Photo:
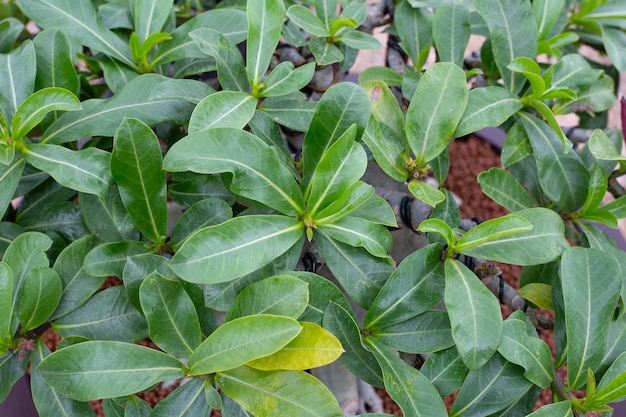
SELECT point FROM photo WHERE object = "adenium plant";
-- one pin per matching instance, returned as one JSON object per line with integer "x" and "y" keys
{"x": 114, "y": 113}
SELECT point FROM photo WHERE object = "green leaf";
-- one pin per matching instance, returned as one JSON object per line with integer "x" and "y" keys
{"x": 356, "y": 358}
{"x": 40, "y": 294}
{"x": 307, "y": 20}
{"x": 136, "y": 163}
{"x": 185, "y": 401}
{"x": 137, "y": 269}
{"x": 424, "y": 333}
{"x": 538, "y": 293}
{"x": 86, "y": 170}
{"x": 414, "y": 287}
{"x": 451, "y": 31}
{"x": 516, "y": 146}
{"x": 446, "y": 370}
{"x": 223, "y": 109}
{"x": 284, "y": 79}
{"x": 341, "y": 106}
{"x": 313, "y": 347}
{"x": 231, "y": 23}
{"x": 136, "y": 407}
{"x": 500, "y": 185}
{"x": 529, "y": 69}
{"x": 151, "y": 98}
{"x": 561, "y": 409}
{"x": 246, "y": 157}
{"x": 597, "y": 97}
{"x": 235, "y": 248}
{"x": 46, "y": 399}
{"x": 265, "y": 22}
{"x": 341, "y": 165}
{"x": 550, "y": 118}
{"x": 19, "y": 67}
{"x": 602, "y": 147}
{"x": 196, "y": 188}
{"x": 33, "y": 110}
{"x": 546, "y": 15}
{"x": 409, "y": 388}
{"x": 150, "y": 16}
{"x": 487, "y": 107}
{"x": 376, "y": 74}
{"x": 434, "y": 225}
{"x": 545, "y": 242}
{"x": 432, "y": 118}
{"x": 10, "y": 176}
{"x": 377, "y": 210}
{"x": 597, "y": 189}
{"x": 360, "y": 273}
{"x": 490, "y": 230}
{"x": 414, "y": 25}
{"x": 613, "y": 40}
{"x": 563, "y": 176}
{"x": 474, "y": 314}
{"x": 12, "y": 370}
{"x": 208, "y": 212}
{"x": 108, "y": 219}
{"x": 41, "y": 198}
{"x": 282, "y": 295}
{"x": 294, "y": 113}
{"x": 612, "y": 387}
{"x": 490, "y": 388}
{"x": 108, "y": 315}
{"x": 278, "y": 393}
{"x": 359, "y": 40}
{"x": 353, "y": 198}
{"x": 6, "y": 301}
{"x": 81, "y": 23}
{"x": 590, "y": 293}
{"x": 172, "y": 318}
{"x": 426, "y": 193}
{"x": 356, "y": 232}
{"x": 109, "y": 259}
{"x": 513, "y": 34}
{"x": 92, "y": 370}
{"x": 532, "y": 353}
{"x": 242, "y": 340}
{"x": 11, "y": 29}
{"x": 325, "y": 53}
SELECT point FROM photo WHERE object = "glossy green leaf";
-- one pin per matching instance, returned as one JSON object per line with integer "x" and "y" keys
{"x": 361, "y": 274}
{"x": 151, "y": 98}
{"x": 150, "y": 16}
{"x": 613, "y": 40}
{"x": 538, "y": 293}
{"x": 19, "y": 67}
{"x": 487, "y": 107}
{"x": 451, "y": 31}
{"x": 108, "y": 315}
{"x": 546, "y": 15}
{"x": 424, "y": 333}
{"x": 223, "y": 109}
{"x": 278, "y": 393}
{"x": 376, "y": 210}
{"x": 86, "y": 170}
{"x": 528, "y": 351}
{"x": 81, "y": 23}
{"x": 64, "y": 219}
{"x": 612, "y": 387}
{"x": 414, "y": 25}
{"x": 490, "y": 230}
{"x": 199, "y": 187}
{"x": 354, "y": 197}
{"x": 561, "y": 409}
{"x": 490, "y": 388}
{"x": 47, "y": 401}
{"x": 294, "y": 113}
{"x": 321, "y": 293}
{"x": 543, "y": 243}
{"x": 597, "y": 189}
{"x": 409, "y": 388}
{"x": 513, "y": 34}
{"x": 242, "y": 340}
{"x": 434, "y": 225}
{"x": 250, "y": 160}
{"x": 474, "y": 314}
{"x": 516, "y": 146}
{"x": 282, "y": 295}
{"x": 11, "y": 29}
{"x": 590, "y": 293}
{"x": 137, "y": 269}
{"x": 40, "y": 294}
{"x": 415, "y": 286}
{"x": 136, "y": 407}
{"x": 602, "y": 148}
{"x": 113, "y": 407}
{"x": 265, "y": 21}
{"x": 136, "y": 163}
{"x": 285, "y": 79}
{"x": 446, "y": 370}
{"x": 44, "y": 196}
{"x": 313, "y": 347}
{"x": 109, "y": 259}
{"x": 353, "y": 231}
{"x": 172, "y": 318}
{"x": 208, "y": 212}
{"x": 432, "y": 119}
{"x": 6, "y": 301}
{"x": 356, "y": 358}
{"x": 325, "y": 53}
{"x": 307, "y": 20}
{"x": 92, "y": 370}
{"x": 231, "y": 23}
{"x": 597, "y": 97}
{"x": 185, "y": 401}
{"x": 252, "y": 242}
{"x": 359, "y": 40}
{"x": 10, "y": 176}
{"x": 12, "y": 370}
{"x": 500, "y": 185}
{"x": 108, "y": 219}
{"x": 529, "y": 69}
{"x": 341, "y": 106}
{"x": 426, "y": 193}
